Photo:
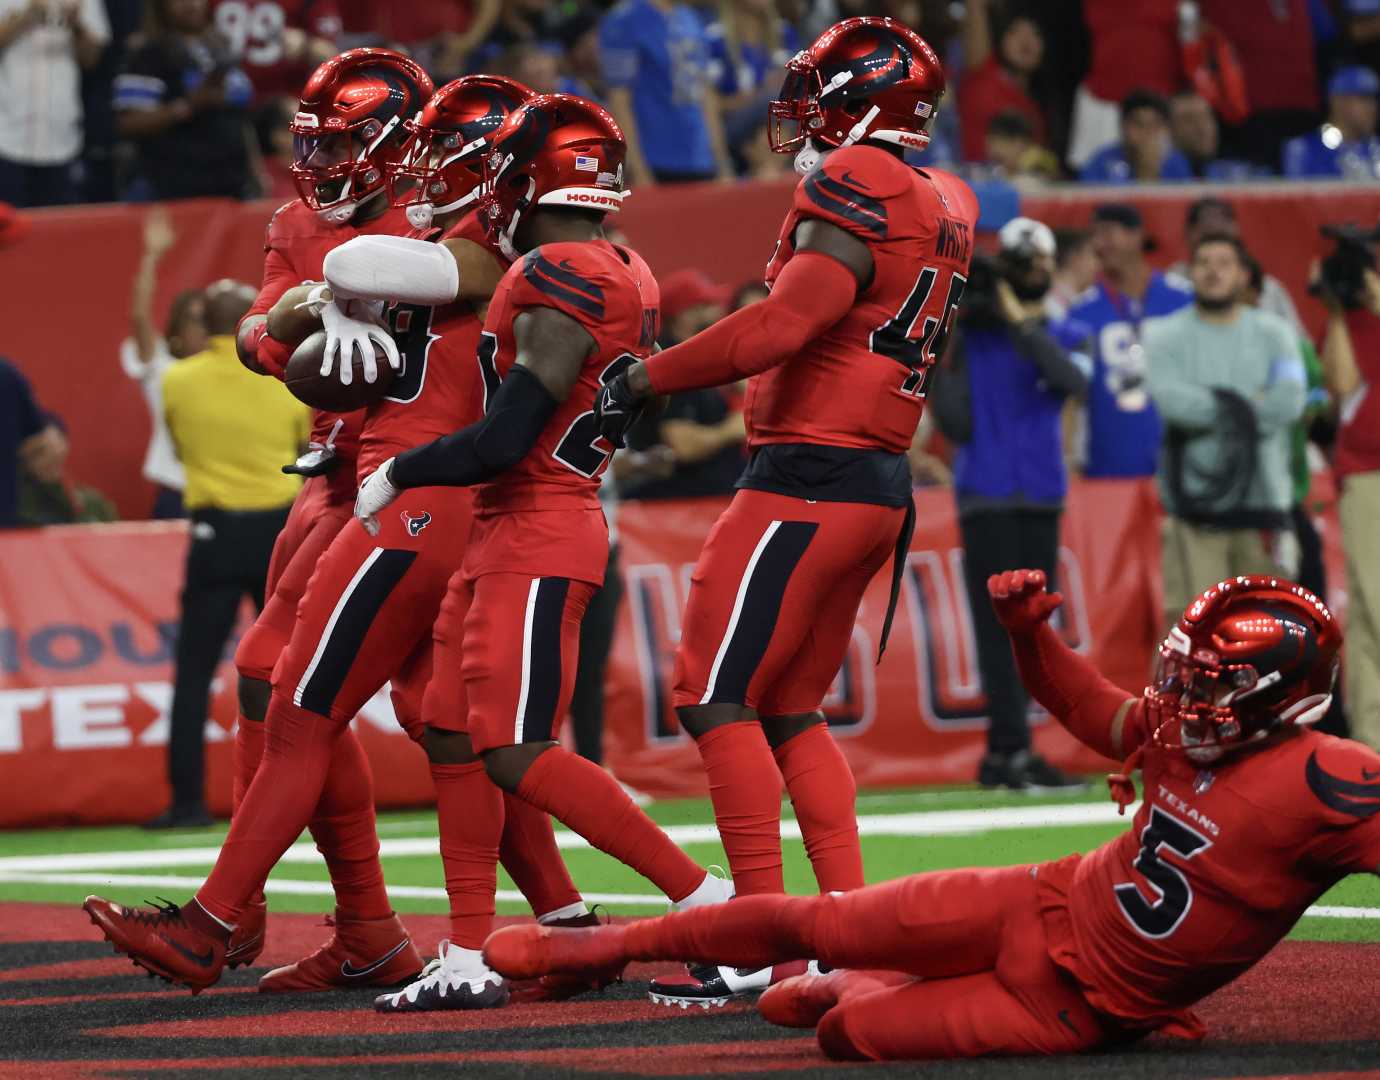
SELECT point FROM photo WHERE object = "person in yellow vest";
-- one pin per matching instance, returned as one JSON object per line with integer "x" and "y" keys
{"x": 232, "y": 431}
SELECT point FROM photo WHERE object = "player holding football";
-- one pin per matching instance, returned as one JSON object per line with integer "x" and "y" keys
{"x": 367, "y": 613}
{"x": 572, "y": 312}
{"x": 1249, "y": 817}
{"x": 865, "y": 282}
{"x": 348, "y": 127}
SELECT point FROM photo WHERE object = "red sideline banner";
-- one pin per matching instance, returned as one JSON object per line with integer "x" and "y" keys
{"x": 88, "y": 621}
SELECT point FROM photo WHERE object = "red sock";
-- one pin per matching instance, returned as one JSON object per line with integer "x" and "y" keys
{"x": 276, "y": 808}
{"x": 249, "y": 750}
{"x": 745, "y": 787}
{"x": 822, "y": 791}
{"x": 528, "y": 852}
{"x": 587, "y": 799}
{"x": 750, "y": 932}
{"x": 344, "y": 830}
{"x": 469, "y": 809}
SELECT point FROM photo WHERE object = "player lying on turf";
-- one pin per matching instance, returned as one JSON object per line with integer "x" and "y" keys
{"x": 1248, "y": 818}
{"x": 865, "y": 281}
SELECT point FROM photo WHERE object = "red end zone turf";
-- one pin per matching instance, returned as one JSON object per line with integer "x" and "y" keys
{"x": 1309, "y": 1009}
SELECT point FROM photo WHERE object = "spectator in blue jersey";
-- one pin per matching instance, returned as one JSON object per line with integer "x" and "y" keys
{"x": 750, "y": 44}
{"x": 999, "y": 399}
{"x": 657, "y": 68}
{"x": 1346, "y": 147}
{"x": 1197, "y": 136}
{"x": 1145, "y": 152}
{"x": 1122, "y": 428}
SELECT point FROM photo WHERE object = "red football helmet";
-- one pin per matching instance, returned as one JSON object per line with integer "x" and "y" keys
{"x": 349, "y": 127}
{"x": 442, "y": 166}
{"x": 556, "y": 150}
{"x": 1250, "y": 656}
{"x": 863, "y": 78}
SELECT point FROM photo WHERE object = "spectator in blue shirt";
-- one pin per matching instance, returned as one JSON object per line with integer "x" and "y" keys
{"x": 1345, "y": 147}
{"x": 1145, "y": 152}
{"x": 657, "y": 67}
{"x": 27, "y": 437}
{"x": 1122, "y": 427}
{"x": 749, "y": 45}
{"x": 1197, "y": 136}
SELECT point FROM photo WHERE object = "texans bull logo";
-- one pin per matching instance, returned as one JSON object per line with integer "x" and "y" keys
{"x": 415, "y": 522}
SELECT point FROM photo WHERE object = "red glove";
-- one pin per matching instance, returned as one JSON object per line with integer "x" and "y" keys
{"x": 1020, "y": 599}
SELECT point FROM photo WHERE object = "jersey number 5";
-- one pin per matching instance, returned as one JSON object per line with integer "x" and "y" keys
{"x": 1174, "y": 895}
{"x": 897, "y": 338}
{"x": 583, "y": 449}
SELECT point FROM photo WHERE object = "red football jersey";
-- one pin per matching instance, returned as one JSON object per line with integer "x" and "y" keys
{"x": 862, "y": 384}
{"x": 296, "y": 246}
{"x": 440, "y": 388}
{"x": 255, "y": 30}
{"x": 609, "y": 291}
{"x": 1218, "y": 866}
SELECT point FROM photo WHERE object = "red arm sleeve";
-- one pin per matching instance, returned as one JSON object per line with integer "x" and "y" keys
{"x": 812, "y": 292}
{"x": 1094, "y": 710}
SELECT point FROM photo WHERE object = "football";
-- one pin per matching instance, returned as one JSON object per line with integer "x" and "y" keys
{"x": 326, "y": 392}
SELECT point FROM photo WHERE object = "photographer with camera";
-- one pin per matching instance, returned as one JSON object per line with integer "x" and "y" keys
{"x": 1229, "y": 383}
{"x": 1348, "y": 283}
{"x": 999, "y": 400}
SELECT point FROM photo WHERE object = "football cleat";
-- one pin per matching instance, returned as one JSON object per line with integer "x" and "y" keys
{"x": 181, "y": 944}
{"x": 361, "y": 952}
{"x": 802, "y": 1000}
{"x": 247, "y": 939}
{"x": 456, "y": 979}
{"x": 532, "y": 950}
{"x": 715, "y": 985}
{"x": 562, "y": 985}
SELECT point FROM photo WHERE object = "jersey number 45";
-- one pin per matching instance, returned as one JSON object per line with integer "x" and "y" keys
{"x": 916, "y": 335}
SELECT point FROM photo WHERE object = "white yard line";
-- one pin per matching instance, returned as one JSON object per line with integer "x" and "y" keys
{"x": 919, "y": 823}
{"x": 424, "y": 892}
{"x": 275, "y": 887}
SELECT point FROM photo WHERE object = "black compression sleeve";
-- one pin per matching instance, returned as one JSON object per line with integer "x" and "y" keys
{"x": 519, "y": 411}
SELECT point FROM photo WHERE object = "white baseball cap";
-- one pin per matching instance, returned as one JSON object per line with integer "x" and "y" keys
{"x": 1027, "y": 233}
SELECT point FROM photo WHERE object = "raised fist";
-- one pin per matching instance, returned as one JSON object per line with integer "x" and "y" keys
{"x": 1020, "y": 599}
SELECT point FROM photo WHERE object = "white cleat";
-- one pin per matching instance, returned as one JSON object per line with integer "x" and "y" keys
{"x": 456, "y": 979}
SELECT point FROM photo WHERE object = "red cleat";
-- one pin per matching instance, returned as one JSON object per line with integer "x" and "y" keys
{"x": 181, "y": 944}
{"x": 527, "y": 952}
{"x": 247, "y": 940}
{"x": 561, "y": 987}
{"x": 362, "y": 952}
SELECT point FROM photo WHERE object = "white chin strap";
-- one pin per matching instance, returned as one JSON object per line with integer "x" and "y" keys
{"x": 338, "y": 213}
{"x": 808, "y": 159}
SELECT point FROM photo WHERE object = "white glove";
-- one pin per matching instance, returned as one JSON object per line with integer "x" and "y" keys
{"x": 349, "y": 326}
{"x": 375, "y": 493}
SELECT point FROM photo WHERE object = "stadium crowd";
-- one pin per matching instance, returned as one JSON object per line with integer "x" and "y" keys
{"x": 163, "y": 99}
{"x": 100, "y": 95}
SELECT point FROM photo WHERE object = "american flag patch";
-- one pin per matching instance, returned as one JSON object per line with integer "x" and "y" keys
{"x": 922, "y": 108}
{"x": 586, "y": 164}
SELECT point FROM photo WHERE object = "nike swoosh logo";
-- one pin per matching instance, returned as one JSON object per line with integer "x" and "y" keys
{"x": 848, "y": 178}
{"x": 1369, "y": 774}
{"x": 1064, "y": 1019}
{"x": 205, "y": 959}
{"x": 351, "y": 972}
{"x": 243, "y": 947}
{"x": 566, "y": 264}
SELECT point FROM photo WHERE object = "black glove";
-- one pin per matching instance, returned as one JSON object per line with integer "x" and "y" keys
{"x": 616, "y": 410}
{"x": 317, "y": 461}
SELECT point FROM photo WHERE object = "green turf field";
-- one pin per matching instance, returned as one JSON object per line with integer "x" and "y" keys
{"x": 903, "y": 832}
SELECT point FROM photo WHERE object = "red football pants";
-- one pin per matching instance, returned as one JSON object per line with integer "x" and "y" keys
{"x": 974, "y": 940}
{"x": 774, "y": 597}
{"x": 319, "y": 512}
